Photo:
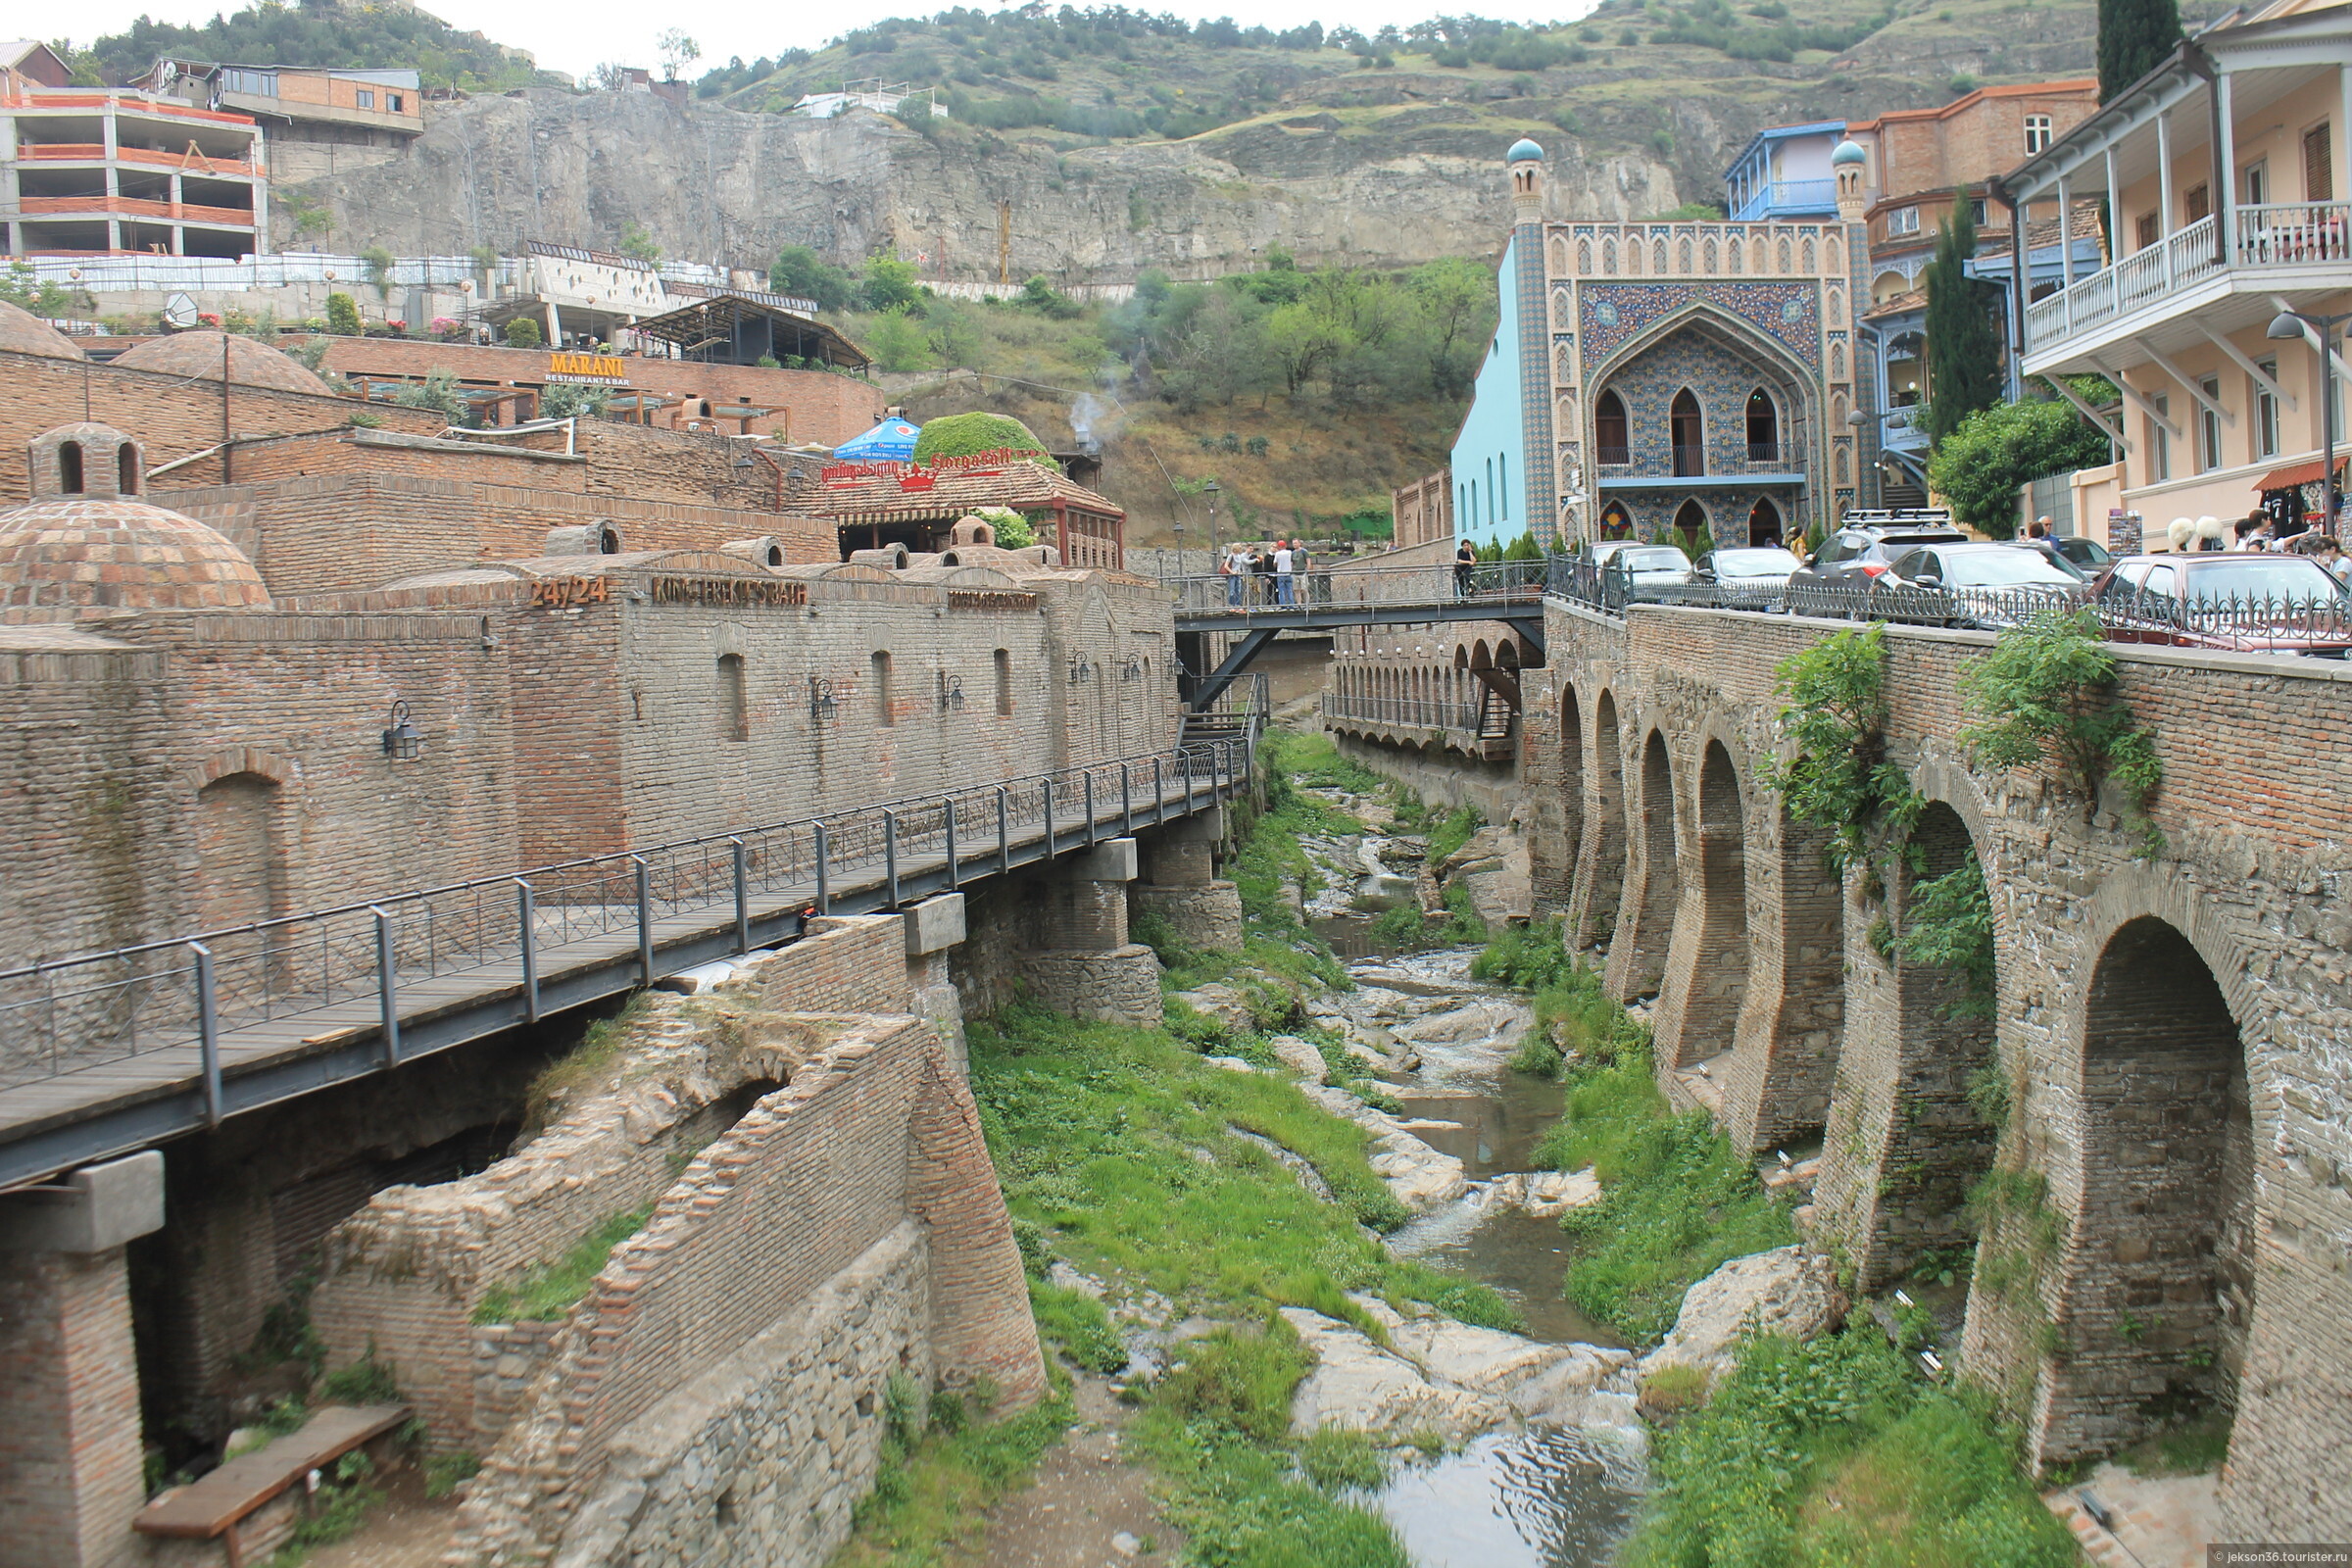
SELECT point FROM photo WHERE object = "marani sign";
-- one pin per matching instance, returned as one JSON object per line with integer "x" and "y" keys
{"x": 594, "y": 370}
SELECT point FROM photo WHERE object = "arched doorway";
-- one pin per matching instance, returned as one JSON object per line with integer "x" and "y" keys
{"x": 240, "y": 864}
{"x": 1651, "y": 904}
{"x": 1688, "y": 432}
{"x": 1615, "y": 522}
{"x": 1612, "y": 435}
{"x": 1763, "y": 427}
{"x": 1690, "y": 528}
{"x": 1763, "y": 524}
{"x": 2161, "y": 1292}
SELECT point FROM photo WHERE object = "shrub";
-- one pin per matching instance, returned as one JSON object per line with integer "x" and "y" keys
{"x": 523, "y": 334}
{"x": 963, "y": 435}
{"x": 2046, "y": 693}
{"x": 343, "y": 316}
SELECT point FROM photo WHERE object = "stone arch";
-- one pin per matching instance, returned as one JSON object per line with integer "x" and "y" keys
{"x": 276, "y": 766}
{"x": 1600, "y": 878}
{"x": 1782, "y": 255}
{"x": 1682, "y": 255}
{"x": 240, "y": 850}
{"x": 1810, "y": 259}
{"x": 1571, "y": 785}
{"x": 2156, "y": 1304}
{"x": 1583, "y": 256}
{"x": 1791, "y": 380}
{"x": 1609, "y": 258}
{"x": 1652, "y": 887}
{"x": 1916, "y": 1045}
{"x": 1657, "y": 256}
{"x": 1707, "y": 972}
{"x": 1707, "y": 256}
{"x": 1734, "y": 254}
{"x": 1755, "y": 254}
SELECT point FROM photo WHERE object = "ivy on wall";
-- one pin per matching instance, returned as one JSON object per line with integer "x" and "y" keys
{"x": 2046, "y": 695}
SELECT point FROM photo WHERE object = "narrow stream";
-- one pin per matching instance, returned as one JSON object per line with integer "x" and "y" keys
{"x": 1544, "y": 1498}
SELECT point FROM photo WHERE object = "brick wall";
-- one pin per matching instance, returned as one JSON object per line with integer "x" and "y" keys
{"x": 2247, "y": 883}
{"x": 71, "y": 1465}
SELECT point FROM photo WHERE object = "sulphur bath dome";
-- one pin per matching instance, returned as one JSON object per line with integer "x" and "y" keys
{"x": 201, "y": 355}
{"x": 88, "y": 541}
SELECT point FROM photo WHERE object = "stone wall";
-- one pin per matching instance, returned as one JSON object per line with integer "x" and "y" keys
{"x": 2171, "y": 1259}
{"x": 69, "y": 1411}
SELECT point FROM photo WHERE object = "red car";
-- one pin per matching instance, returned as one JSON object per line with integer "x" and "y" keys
{"x": 2241, "y": 600}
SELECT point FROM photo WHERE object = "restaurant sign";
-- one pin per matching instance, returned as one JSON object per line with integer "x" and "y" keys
{"x": 587, "y": 370}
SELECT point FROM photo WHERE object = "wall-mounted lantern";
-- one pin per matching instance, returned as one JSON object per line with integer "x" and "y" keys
{"x": 1132, "y": 670}
{"x": 402, "y": 741}
{"x": 950, "y": 693}
{"x": 822, "y": 703}
{"x": 1078, "y": 670}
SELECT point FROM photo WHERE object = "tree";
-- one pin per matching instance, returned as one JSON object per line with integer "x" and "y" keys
{"x": 638, "y": 245}
{"x": 802, "y": 273}
{"x": 2135, "y": 37}
{"x": 522, "y": 332}
{"x": 343, "y": 316}
{"x": 890, "y": 285}
{"x": 898, "y": 342}
{"x": 1979, "y": 466}
{"x": 438, "y": 391}
{"x": 679, "y": 51}
{"x": 25, "y": 287}
{"x": 1964, "y": 348}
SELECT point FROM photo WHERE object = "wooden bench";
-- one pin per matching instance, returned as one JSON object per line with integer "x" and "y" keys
{"x": 222, "y": 1505}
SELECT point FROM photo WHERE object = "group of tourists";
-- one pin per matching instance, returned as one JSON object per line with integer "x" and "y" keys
{"x": 1263, "y": 573}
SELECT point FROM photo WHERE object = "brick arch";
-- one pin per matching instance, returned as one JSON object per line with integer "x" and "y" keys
{"x": 1706, "y": 972}
{"x": 1646, "y": 916}
{"x": 1600, "y": 858}
{"x": 276, "y": 766}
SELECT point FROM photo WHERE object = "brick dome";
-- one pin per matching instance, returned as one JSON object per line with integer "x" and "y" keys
{"x": 22, "y": 333}
{"x": 198, "y": 354}
{"x": 85, "y": 540}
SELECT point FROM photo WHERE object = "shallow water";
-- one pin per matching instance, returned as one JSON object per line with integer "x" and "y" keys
{"x": 1537, "y": 1500}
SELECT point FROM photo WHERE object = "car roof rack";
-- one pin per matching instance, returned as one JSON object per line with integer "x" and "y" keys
{"x": 1897, "y": 517}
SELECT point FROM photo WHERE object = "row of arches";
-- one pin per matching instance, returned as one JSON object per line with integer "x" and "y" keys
{"x": 1685, "y": 431}
{"x": 1630, "y": 253}
{"x": 2113, "y": 1264}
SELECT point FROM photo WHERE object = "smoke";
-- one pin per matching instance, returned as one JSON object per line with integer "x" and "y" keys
{"x": 1085, "y": 414}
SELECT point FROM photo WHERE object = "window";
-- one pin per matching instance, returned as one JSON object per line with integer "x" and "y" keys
{"x": 2209, "y": 426}
{"x": 1003, "y": 663}
{"x": 2319, "y": 165}
{"x": 2258, "y": 183}
{"x": 1976, "y": 210}
{"x": 1502, "y": 474}
{"x": 2196, "y": 205}
{"x": 1763, "y": 427}
{"x": 882, "y": 713}
{"x": 126, "y": 470}
{"x": 1903, "y": 220}
{"x": 734, "y": 718}
{"x": 2145, "y": 230}
{"x": 1688, "y": 435}
{"x": 257, "y": 83}
{"x": 2266, "y": 412}
{"x": 1611, "y": 436}
{"x": 2037, "y": 135}
{"x": 2160, "y": 452}
{"x": 366, "y": 98}
{"x": 392, "y": 102}
{"x": 69, "y": 468}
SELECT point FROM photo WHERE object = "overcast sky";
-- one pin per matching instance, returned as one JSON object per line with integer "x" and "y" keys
{"x": 575, "y": 36}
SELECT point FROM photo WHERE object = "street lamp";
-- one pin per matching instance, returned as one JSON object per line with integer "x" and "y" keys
{"x": 2286, "y": 327}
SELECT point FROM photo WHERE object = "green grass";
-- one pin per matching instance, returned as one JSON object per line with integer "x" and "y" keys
{"x": 1833, "y": 1455}
{"x": 936, "y": 1484}
{"x": 1115, "y": 1143}
{"x": 1677, "y": 1201}
{"x": 1078, "y": 1326}
{"x": 551, "y": 1290}
{"x": 2194, "y": 1449}
{"x": 1451, "y": 831}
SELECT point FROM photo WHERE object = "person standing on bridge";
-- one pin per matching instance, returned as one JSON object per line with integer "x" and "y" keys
{"x": 1463, "y": 560}
{"x": 1282, "y": 572}
{"x": 1262, "y": 567}
{"x": 1228, "y": 566}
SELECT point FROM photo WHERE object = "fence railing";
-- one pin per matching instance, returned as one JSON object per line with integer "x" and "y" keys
{"x": 1403, "y": 713}
{"x": 66, "y": 1014}
{"x": 1504, "y": 581}
{"x": 2270, "y": 234}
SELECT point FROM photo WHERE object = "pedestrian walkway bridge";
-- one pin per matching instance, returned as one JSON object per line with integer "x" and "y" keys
{"x": 106, "y": 1053}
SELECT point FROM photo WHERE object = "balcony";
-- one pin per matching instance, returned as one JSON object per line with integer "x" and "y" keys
{"x": 2275, "y": 246}
{"x": 1748, "y": 464}
{"x": 1788, "y": 198}
{"x": 134, "y": 207}
{"x": 91, "y": 152}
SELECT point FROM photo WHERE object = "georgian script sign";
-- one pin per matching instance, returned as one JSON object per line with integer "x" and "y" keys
{"x": 727, "y": 591}
{"x": 989, "y": 599}
{"x": 563, "y": 593}
{"x": 922, "y": 476}
{"x": 588, "y": 369}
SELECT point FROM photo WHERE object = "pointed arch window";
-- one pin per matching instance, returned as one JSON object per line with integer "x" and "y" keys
{"x": 1763, "y": 427}
{"x": 1690, "y": 435}
{"x": 1612, "y": 435}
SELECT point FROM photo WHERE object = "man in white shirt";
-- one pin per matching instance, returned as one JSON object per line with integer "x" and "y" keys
{"x": 1282, "y": 571}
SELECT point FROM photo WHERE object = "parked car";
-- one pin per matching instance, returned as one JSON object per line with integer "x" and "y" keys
{"x": 1752, "y": 578}
{"x": 2246, "y": 602}
{"x": 1831, "y": 582}
{"x": 2085, "y": 558}
{"x": 1648, "y": 565}
{"x": 1979, "y": 586}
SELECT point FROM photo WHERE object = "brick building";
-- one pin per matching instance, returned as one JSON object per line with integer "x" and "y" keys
{"x": 100, "y": 169}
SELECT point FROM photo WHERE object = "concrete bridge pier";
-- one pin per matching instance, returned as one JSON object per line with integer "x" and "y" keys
{"x": 1180, "y": 884}
{"x": 72, "y": 1468}
{"x": 1083, "y": 963}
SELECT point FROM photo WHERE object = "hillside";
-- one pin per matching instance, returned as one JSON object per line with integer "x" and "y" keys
{"x": 321, "y": 33}
{"x": 1107, "y": 142}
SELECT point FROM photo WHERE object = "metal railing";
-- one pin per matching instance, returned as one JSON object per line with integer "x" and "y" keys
{"x": 1503, "y": 581}
{"x": 70, "y": 1013}
{"x": 1403, "y": 713}
{"x": 2267, "y": 235}
{"x": 2246, "y": 624}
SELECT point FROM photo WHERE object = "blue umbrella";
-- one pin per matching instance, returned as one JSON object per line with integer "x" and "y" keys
{"x": 891, "y": 441}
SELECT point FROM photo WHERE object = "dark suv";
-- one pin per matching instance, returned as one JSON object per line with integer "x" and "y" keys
{"x": 1863, "y": 547}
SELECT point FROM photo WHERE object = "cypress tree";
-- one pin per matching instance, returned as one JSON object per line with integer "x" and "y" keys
{"x": 1964, "y": 348}
{"x": 2134, "y": 35}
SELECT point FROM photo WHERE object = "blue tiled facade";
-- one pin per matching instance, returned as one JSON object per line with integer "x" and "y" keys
{"x": 1613, "y": 314}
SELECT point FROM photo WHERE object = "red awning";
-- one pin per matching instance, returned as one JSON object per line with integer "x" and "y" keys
{"x": 2294, "y": 475}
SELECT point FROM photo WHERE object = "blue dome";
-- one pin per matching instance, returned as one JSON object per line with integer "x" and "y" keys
{"x": 1524, "y": 151}
{"x": 1848, "y": 152}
